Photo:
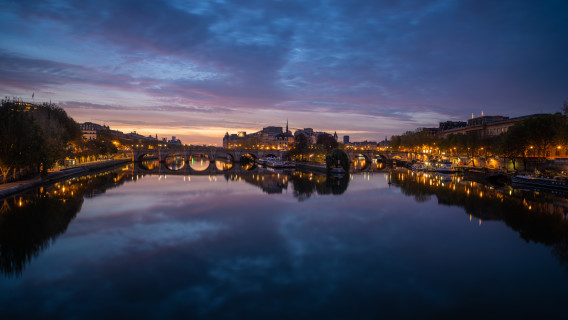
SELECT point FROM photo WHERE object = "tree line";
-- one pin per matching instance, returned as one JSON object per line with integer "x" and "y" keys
{"x": 531, "y": 137}
{"x": 34, "y": 138}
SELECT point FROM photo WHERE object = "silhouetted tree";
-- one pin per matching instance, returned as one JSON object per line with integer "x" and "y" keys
{"x": 34, "y": 136}
{"x": 337, "y": 157}
{"x": 21, "y": 141}
{"x": 327, "y": 141}
{"x": 300, "y": 146}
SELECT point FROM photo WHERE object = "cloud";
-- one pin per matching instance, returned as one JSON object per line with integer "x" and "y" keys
{"x": 381, "y": 59}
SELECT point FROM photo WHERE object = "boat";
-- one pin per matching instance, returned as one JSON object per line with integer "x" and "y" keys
{"x": 446, "y": 167}
{"x": 555, "y": 183}
{"x": 418, "y": 166}
{"x": 428, "y": 167}
{"x": 279, "y": 164}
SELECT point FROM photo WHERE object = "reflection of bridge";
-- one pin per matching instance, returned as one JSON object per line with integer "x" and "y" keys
{"x": 232, "y": 155}
{"x": 235, "y": 155}
{"x": 186, "y": 170}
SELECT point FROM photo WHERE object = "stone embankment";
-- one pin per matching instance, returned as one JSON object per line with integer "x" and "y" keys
{"x": 11, "y": 189}
{"x": 311, "y": 167}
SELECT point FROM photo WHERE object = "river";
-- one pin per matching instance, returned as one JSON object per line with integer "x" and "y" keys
{"x": 140, "y": 242}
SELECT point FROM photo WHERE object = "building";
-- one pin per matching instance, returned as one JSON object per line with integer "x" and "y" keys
{"x": 451, "y": 125}
{"x": 90, "y": 130}
{"x": 428, "y": 131}
{"x": 174, "y": 142}
{"x": 482, "y": 127}
{"x": 362, "y": 145}
{"x": 346, "y": 139}
{"x": 270, "y": 137}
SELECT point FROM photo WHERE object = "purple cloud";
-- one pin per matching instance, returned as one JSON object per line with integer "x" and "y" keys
{"x": 387, "y": 60}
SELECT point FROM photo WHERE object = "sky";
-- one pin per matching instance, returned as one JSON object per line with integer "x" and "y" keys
{"x": 364, "y": 68}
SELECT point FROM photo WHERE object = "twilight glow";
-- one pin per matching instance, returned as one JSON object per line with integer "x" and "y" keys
{"x": 368, "y": 69}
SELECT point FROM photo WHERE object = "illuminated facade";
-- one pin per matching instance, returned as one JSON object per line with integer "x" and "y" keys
{"x": 483, "y": 127}
{"x": 268, "y": 138}
{"x": 90, "y": 130}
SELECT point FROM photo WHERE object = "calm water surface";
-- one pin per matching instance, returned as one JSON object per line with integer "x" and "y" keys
{"x": 267, "y": 245}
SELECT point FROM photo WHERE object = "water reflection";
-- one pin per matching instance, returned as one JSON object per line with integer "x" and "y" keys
{"x": 174, "y": 162}
{"x": 253, "y": 243}
{"x": 29, "y": 223}
{"x": 306, "y": 184}
{"x": 199, "y": 162}
{"x": 536, "y": 216}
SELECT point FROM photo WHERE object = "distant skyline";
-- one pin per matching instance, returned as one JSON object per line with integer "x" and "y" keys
{"x": 367, "y": 69}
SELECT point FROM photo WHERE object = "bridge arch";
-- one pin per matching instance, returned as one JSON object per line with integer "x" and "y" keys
{"x": 270, "y": 155}
{"x": 149, "y": 165}
{"x": 225, "y": 155}
{"x": 248, "y": 155}
{"x": 174, "y": 161}
{"x": 199, "y": 161}
{"x": 361, "y": 160}
{"x": 140, "y": 156}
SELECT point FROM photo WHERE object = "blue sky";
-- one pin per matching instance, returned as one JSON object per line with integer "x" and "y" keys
{"x": 368, "y": 69}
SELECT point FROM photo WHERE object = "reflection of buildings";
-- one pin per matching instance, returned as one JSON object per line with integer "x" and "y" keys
{"x": 537, "y": 216}
{"x": 269, "y": 182}
{"x": 31, "y": 222}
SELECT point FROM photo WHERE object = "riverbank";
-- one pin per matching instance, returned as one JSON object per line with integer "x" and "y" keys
{"x": 311, "y": 167}
{"x": 13, "y": 188}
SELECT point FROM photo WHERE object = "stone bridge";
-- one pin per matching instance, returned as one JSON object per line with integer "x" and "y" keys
{"x": 213, "y": 154}
{"x": 235, "y": 155}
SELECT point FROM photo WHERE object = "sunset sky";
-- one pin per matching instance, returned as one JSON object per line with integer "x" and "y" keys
{"x": 368, "y": 69}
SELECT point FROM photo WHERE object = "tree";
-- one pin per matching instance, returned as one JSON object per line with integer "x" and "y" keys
{"x": 58, "y": 130}
{"x": 337, "y": 157}
{"x": 513, "y": 144}
{"x": 327, "y": 141}
{"x": 34, "y": 136}
{"x": 544, "y": 131}
{"x": 20, "y": 141}
{"x": 300, "y": 147}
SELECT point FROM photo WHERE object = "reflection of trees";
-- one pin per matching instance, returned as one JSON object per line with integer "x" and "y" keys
{"x": 305, "y": 184}
{"x": 30, "y": 222}
{"x": 537, "y": 217}
{"x": 269, "y": 182}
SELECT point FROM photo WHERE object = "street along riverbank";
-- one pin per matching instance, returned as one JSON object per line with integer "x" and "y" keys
{"x": 14, "y": 188}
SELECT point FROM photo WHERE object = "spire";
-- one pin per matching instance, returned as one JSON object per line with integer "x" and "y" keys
{"x": 286, "y": 126}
